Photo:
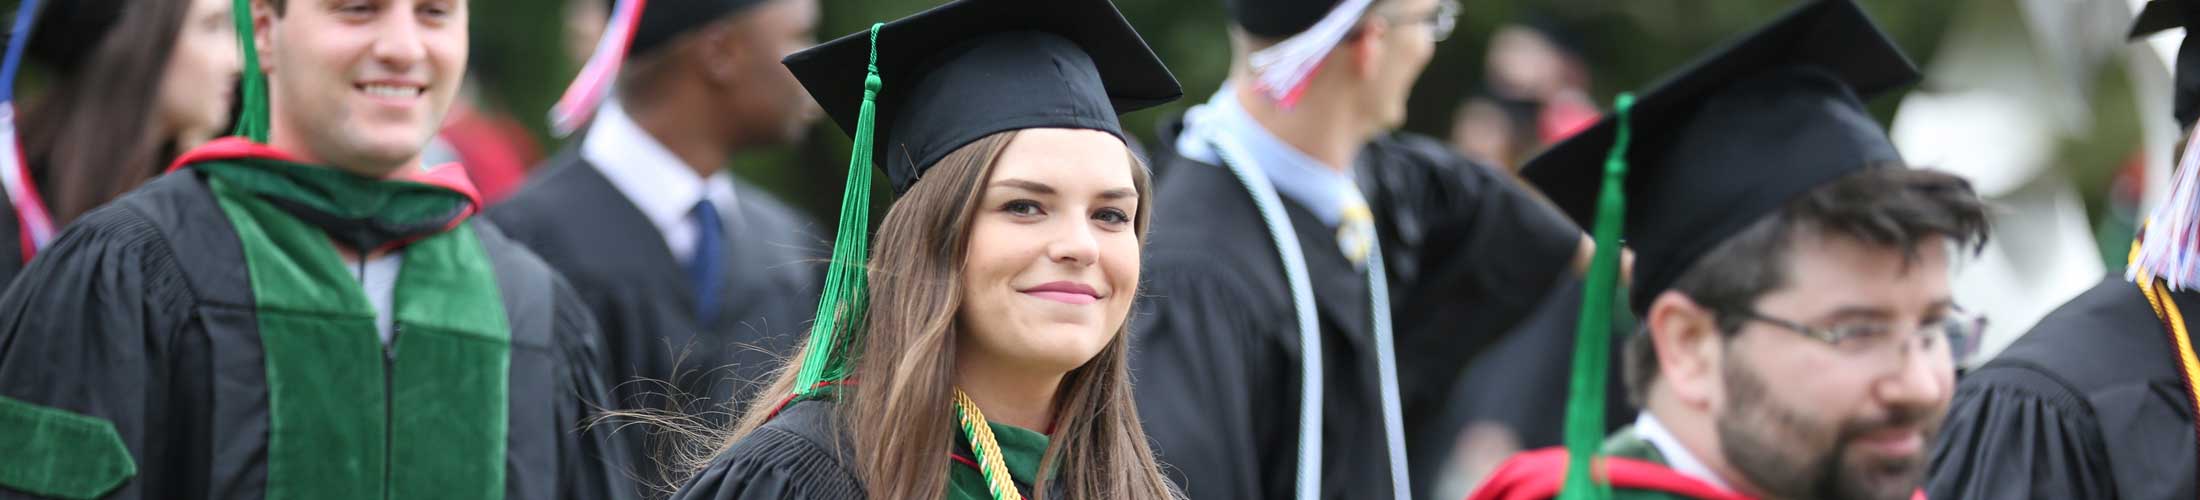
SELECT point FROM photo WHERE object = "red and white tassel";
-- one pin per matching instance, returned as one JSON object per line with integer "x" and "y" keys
{"x": 2168, "y": 249}
{"x": 15, "y": 176}
{"x": 1282, "y": 71}
{"x": 602, "y": 70}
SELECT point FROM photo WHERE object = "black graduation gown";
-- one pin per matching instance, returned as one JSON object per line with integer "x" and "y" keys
{"x": 11, "y": 242}
{"x": 141, "y": 314}
{"x": 2089, "y": 404}
{"x": 1519, "y": 382}
{"x": 1216, "y": 345}
{"x": 573, "y": 217}
{"x": 803, "y": 453}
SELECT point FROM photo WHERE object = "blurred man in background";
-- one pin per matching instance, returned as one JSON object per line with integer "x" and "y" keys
{"x": 1301, "y": 229}
{"x": 698, "y": 280}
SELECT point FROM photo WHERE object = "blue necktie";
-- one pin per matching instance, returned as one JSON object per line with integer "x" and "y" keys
{"x": 703, "y": 265}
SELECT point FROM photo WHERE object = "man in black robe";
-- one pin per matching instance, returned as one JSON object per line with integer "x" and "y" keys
{"x": 697, "y": 279}
{"x": 312, "y": 317}
{"x": 1389, "y": 228}
{"x": 2096, "y": 400}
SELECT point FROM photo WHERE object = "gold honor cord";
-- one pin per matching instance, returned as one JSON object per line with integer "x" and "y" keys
{"x": 2173, "y": 321}
{"x": 988, "y": 450}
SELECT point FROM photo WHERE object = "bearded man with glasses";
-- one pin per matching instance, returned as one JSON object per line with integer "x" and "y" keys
{"x": 1798, "y": 337}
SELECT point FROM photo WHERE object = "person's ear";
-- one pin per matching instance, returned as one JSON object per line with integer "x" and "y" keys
{"x": 1366, "y": 47}
{"x": 263, "y": 33}
{"x": 1688, "y": 342}
{"x": 720, "y": 53}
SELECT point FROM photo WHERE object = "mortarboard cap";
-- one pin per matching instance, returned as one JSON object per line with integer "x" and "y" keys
{"x": 1734, "y": 136}
{"x": 664, "y": 20}
{"x": 1278, "y": 18}
{"x": 2162, "y": 15}
{"x": 971, "y": 68}
{"x": 69, "y": 30}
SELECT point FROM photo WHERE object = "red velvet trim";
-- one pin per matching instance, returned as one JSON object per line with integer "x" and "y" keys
{"x": 1536, "y": 475}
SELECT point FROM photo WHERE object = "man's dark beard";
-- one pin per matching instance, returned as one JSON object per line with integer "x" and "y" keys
{"x": 1787, "y": 455}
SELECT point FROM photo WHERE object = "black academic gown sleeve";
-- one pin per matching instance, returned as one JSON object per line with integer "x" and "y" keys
{"x": 11, "y": 245}
{"x": 590, "y": 461}
{"x": 101, "y": 326}
{"x": 1471, "y": 252}
{"x": 2088, "y": 404}
{"x": 791, "y": 457}
{"x": 2016, "y": 433}
{"x": 1209, "y": 379}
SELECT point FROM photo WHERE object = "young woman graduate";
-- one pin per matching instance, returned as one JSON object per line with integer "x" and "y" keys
{"x": 983, "y": 354}
{"x": 126, "y": 90}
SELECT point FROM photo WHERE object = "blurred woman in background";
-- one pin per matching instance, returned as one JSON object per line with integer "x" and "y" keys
{"x": 123, "y": 88}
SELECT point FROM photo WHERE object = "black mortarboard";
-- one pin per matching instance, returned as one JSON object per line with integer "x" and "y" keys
{"x": 1278, "y": 18}
{"x": 2160, "y": 15}
{"x": 968, "y": 69}
{"x": 943, "y": 78}
{"x": 69, "y": 30}
{"x": 664, "y": 20}
{"x": 1734, "y": 136}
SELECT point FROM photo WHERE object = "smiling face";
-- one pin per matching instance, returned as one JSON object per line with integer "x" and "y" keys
{"x": 362, "y": 85}
{"x": 1052, "y": 262}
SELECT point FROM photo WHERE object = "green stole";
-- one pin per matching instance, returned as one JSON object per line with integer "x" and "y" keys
{"x": 348, "y": 418}
{"x": 1021, "y": 448}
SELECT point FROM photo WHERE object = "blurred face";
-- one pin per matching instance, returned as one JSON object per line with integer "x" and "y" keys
{"x": 1804, "y": 418}
{"x": 363, "y": 85}
{"x": 768, "y": 102}
{"x": 195, "y": 88}
{"x": 1406, "y": 44}
{"x": 1052, "y": 265}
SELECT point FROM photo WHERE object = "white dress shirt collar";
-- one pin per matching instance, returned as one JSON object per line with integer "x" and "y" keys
{"x": 657, "y": 182}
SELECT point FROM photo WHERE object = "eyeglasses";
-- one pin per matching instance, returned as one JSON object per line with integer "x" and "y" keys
{"x": 1440, "y": 23}
{"x": 1952, "y": 338}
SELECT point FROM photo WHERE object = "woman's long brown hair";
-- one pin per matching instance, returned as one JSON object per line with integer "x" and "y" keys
{"x": 89, "y": 139}
{"x": 898, "y": 412}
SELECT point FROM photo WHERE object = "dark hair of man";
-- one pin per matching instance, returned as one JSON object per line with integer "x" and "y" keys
{"x": 88, "y": 136}
{"x": 1884, "y": 205}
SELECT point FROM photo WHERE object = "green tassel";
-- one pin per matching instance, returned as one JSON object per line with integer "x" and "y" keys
{"x": 840, "y": 310}
{"x": 252, "y": 120}
{"x": 1592, "y": 344}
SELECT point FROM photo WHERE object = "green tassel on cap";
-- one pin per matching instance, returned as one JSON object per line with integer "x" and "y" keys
{"x": 252, "y": 118}
{"x": 840, "y": 310}
{"x": 1592, "y": 344}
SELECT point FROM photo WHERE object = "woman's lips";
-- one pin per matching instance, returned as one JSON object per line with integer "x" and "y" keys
{"x": 1065, "y": 292}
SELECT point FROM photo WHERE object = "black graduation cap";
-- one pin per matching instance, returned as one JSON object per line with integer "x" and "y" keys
{"x": 971, "y": 68}
{"x": 2161, "y": 15}
{"x": 69, "y": 30}
{"x": 1734, "y": 136}
{"x": 1278, "y": 18}
{"x": 664, "y": 20}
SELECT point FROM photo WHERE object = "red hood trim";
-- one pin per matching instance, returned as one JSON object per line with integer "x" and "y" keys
{"x": 1536, "y": 475}
{"x": 450, "y": 176}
